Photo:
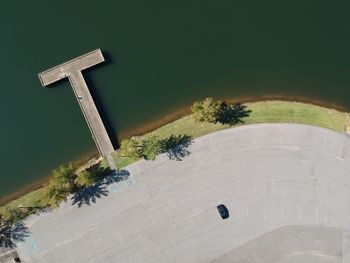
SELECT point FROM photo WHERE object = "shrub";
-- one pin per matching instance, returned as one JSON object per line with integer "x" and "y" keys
{"x": 12, "y": 215}
{"x": 64, "y": 177}
{"x": 88, "y": 177}
{"x": 60, "y": 185}
{"x": 151, "y": 147}
{"x": 130, "y": 148}
{"x": 216, "y": 111}
{"x": 206, "y": 110}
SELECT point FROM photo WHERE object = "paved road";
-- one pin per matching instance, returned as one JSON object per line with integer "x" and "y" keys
{"x": 287, "y": 187}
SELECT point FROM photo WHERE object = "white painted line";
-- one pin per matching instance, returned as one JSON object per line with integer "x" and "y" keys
{"x": 146, "y": 251}
{"x": 255, "y": 190}
{"x": 172, "y": 242}
{"x": 272, "y": 184}
{"x": 88, "y": 254}
{"x": 70, "y": 256}
{"x": 95, "y": 241}
{"x": 196, "y": 213}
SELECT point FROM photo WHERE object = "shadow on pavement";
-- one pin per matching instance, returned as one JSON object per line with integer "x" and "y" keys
{"x": 12, "y": 233}
{"x": 176, "y": 146}
{"x": 89, "y": 195}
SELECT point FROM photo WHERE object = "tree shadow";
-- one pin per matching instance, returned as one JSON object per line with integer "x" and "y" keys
{"x": 176, "y": 146}
{"x": 89, "y": 195}
{"x": 12, "y": 233}
{"x": 99, "y": 170}
{"x": 116, "y": 177}
{"x": 232, "y": 114}
{"x": 41, "y": 210}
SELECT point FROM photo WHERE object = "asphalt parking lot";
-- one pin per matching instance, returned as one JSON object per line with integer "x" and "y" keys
{"x": 286, "y": 186}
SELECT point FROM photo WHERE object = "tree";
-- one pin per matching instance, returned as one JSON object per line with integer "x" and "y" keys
{"x": 151, "y": 147}
{"x": 88, "y": 177}
{"x": 232, "y": 114}
{"x": 130, "y": 148}
{"x": 53, "y": 195}
{"x": 12, "y": 215}
{"x": 64, "y": 177}
{"x": 60, "y": 185}
{"x": 206, "y": 110}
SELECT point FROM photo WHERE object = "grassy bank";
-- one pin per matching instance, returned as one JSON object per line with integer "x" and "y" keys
{"x": 261, "y": 112}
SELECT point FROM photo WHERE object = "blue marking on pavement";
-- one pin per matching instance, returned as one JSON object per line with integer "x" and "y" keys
{"x": 30, "y": 243}
{"x": 116, "y": 187}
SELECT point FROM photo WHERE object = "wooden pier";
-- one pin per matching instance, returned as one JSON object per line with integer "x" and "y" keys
{"x": 73, "y": 71}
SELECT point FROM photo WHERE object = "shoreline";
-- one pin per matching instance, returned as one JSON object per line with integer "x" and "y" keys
{"x": 184, "y": 110}
{"x": 37, "y": 184}
{"x": 162, "y": 121}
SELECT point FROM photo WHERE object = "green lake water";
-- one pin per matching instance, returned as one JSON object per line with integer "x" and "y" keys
{"x": 162, "y": 55}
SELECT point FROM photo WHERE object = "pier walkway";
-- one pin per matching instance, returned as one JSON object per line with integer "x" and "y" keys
{"x": 73, "y": 70}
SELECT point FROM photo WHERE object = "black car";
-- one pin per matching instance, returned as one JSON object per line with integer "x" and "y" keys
{"x": 223, "y": 211}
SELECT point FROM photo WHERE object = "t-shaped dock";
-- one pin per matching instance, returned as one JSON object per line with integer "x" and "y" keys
{"x": 73, "y": 70}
